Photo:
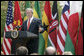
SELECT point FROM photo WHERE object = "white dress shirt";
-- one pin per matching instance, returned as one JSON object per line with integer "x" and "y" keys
{"x": 30, "y": 20}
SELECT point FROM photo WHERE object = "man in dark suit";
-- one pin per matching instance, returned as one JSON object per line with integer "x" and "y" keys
{"x": 32, "y": 25}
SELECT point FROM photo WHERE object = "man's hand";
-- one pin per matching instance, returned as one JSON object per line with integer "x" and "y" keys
{"x": 43, "y": 28}
{"x": 40, "y": 29}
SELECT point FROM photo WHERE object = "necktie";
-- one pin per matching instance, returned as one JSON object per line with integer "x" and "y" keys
{"x": 28, "y": 24}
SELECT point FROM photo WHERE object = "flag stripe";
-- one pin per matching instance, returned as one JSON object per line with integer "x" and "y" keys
{"x": 63, "y": 22}
{"x": 60, "y": 44}
{"x": 45, "y": 18}
{"x": 6, "y": 28}
{"x": 11, "y": 27}
{"x": 54, "y": 11}
{"x": 8, "y": 41}
{"x": 62, "y": 33}
{"x": 64, "y": 30}
{"x": 3, "y": 49}
{"x": 7, "y": 47}
{"x": 65, "y": 18}
{"x": 47, "y": 9}
{"x": 58, "y": 49}
{"x": 60, "y": 37}
{"x": 53, "y": 44}
{"x": 35, "y": 13}
{"x": 67, "y": 14}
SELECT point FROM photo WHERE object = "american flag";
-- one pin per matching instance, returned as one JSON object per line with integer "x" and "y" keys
{"x": 6, "y": 45}
{"x": 61, "y": 36}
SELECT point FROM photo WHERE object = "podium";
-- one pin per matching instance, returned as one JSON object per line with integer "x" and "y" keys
{"x": 19, "y": 38}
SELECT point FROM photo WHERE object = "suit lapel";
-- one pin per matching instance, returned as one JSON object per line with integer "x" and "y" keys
{"x": 26, "y": 25}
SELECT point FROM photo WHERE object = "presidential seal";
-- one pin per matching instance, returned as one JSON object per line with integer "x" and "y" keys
{"x": 14, "y": 34}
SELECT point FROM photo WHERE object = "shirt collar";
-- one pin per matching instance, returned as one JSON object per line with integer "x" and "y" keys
{"x": 31, "y": 19}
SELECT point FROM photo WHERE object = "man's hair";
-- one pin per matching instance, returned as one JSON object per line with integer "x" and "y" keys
{"x": 67, "y": 53}
{"x": 22, "y": 51}
{"x": 30, "y": 9}
{"x": 34, "y": 54}
{"x": 50, "y": 51}
{"x": 2, "y": 53}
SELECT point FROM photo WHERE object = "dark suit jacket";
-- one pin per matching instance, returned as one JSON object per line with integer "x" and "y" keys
{"x": 32, "y": 44}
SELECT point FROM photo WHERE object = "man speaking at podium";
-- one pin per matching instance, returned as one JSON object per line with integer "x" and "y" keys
{"x": 32, "y": 25}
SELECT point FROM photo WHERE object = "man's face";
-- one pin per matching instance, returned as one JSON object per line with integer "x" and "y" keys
{"x": 29, "y": 13}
